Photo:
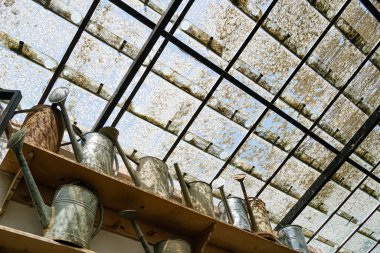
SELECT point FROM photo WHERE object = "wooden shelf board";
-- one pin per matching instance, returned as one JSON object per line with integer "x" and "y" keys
{"x": 13, "y": 240}
{"x": 52, "y": 170}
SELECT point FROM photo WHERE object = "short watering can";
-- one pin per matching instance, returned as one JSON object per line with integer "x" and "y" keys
{"x": 96, "y": 150}
{"x": 238, "y": 212}
{"x": 196, "y": 194}
{"x": 71, "y": 217}
{"x": 152, "y": 174}
{"x": 165, "y": 246}
{"x": 292, "y": 237}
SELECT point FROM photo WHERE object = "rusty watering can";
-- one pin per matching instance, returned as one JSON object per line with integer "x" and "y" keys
{"x": 71, "y": 217}
{"x": 96, "y": 150}
{"x": 45, "y": 127}
{"x": 292, "y": 237}
{"x": 196, "y": 194}
{"x": 165, "y": 246}
{"x": 152, "y": 174}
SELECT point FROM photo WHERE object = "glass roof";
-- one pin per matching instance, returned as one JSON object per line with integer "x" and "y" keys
{"x": 184, "y": 112}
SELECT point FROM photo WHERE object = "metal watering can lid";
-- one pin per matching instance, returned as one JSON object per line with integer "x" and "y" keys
{"x": 16, "y": 138}
{"x": 58, "y": 95}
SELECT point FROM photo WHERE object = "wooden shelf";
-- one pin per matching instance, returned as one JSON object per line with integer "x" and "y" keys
{"x": 12, "y": 241}
{"x": 52, "y": 170}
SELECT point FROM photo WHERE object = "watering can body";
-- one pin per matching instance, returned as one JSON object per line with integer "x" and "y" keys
{"x": 292, "y": 237}
{"x": 172, "y": 246}
{"x": 238, "y": 211}
{"x": 45, "y": 127}
{"x": 153, "y": 175}
{"x": 201, "y": 197}
{"x": 260, "y": 215}
{"x": 71, "y": 217}
{"x": 98, "y": 152}
{"x": 73, "y": 214}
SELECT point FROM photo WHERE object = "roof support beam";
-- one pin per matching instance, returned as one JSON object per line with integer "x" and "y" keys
{"x": 181, "y": 45}
{"x": 220, "y": 79}
{"x": 332, "y": 168}
{"x": 283, "y": 87}
{"x": 68, "y": 52}
{"x": 137, "y": 63}
{"x": 151, "y": 64}
{"x": 371, "y": 8}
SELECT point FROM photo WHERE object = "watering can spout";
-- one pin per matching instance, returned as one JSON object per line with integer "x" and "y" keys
{"x": 131, "y": 216}
{"x": 112, "y": 133}
{"x": 182, "y": 183}
{"x": 15, "y": 143}
{"x": 58, "y": 96}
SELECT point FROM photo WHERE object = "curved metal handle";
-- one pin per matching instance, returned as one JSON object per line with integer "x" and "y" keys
{"x": 78, "y": 131}
{"x": 100, "y": 224}
{"x": 117, "y": 167}
{"x": 171, "y": 184}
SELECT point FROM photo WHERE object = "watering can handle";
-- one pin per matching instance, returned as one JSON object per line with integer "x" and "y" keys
{"x": 116, "y": 165}
{"x": 101, "y": 213}
{"x": 171, "y": 184}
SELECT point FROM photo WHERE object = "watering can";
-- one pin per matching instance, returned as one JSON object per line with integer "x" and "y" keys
{"x": 165, "y": 246}
{"x": 71, "y": 217}
{"x": 152, "y": 174}
{"x": 196, "y": 194}
{"x": 96, "y": 150}
{"x": 292, "y": 237}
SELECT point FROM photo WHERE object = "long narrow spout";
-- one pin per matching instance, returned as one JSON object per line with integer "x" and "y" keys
{"x": 58, "y": 96}
{"x": 15, "y": 143}
{"x": 226, "y": 206}
{"x": 78, "y": 151}
{"x": 131, "y": 216}
{"x": 182, "y": 183}
{"x": 128, "y": 165}
{"x": 240, "y": 178}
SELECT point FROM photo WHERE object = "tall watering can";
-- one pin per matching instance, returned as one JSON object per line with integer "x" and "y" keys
{"x": 196, "y": 194}
{"x": 165, "y": 246}
{"x": 71, "y": 217}
{"x": 96, "y": 150}
{"x": 45, "y": 127}
{"x": 292, "y": 237}
{"x": 152, "y": 174}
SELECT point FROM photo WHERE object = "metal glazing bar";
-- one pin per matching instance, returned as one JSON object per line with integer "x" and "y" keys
{"x": 14, "y": 97}
{"x": 332, "y": 168}
{"x": 151, "y": 63}
{"x": 341, "y": 204}
{"x": 181, "y": 45}
{"x": 283, "y": 87}
{"x": 371, "y": 8}
{"x": 220, "y": 79}
{"x": 137, "y": 63}
{"x": 357, "y": 229}
{"x": 374, "y": 247}
{"x": 340, "y": 92}
{"x": 68, "y": 52}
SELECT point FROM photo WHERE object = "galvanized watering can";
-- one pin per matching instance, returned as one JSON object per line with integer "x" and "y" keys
{"x": 292, "y": 237}
{"x": 71, "y": 217}
{"x": 196, "y": 194}
{"x": 96, "y": 150}
{"x": 165, "y": 246}
{"x": 238, "y": 212}
{"x": 152, "y": 174}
